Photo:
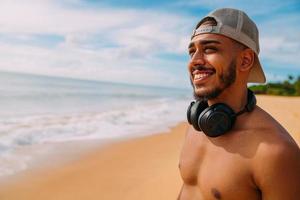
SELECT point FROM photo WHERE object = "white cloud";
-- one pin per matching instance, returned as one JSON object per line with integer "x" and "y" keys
{"x": 279, "y": 40}
{"x": 114, "y": 44}
{"x": 99, "y": 43}
{"x": 48, "y": 17}
{"x": 281, "y": 49}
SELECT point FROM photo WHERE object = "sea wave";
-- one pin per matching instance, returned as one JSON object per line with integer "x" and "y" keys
{"x": 131, "y": 120}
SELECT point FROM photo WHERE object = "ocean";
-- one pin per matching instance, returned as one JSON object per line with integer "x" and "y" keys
{"x": 40, "y": 110}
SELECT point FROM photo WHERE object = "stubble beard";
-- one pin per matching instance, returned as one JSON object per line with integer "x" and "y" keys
{"x": 226, "y": 79}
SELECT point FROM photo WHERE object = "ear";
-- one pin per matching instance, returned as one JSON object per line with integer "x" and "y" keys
{"x": 247, "y": 59}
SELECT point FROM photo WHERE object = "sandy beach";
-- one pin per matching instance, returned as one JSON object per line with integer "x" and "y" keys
{"x": 141, "y": 168}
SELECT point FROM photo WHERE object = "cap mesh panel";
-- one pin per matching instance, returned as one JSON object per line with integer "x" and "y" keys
{"x": 229, "y": 21}
{"x": 247, "y": 28}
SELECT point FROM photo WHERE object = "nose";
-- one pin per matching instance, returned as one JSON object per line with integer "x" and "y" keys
{"x": 196, "y": 59}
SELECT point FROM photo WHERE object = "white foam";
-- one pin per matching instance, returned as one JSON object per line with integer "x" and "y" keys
{"x": 133, "y": 120}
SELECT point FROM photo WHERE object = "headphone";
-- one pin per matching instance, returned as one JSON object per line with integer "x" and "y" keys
{"x": 217, "y": 119}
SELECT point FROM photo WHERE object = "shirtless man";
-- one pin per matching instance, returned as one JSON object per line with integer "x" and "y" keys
{"x": 256, "y": 159}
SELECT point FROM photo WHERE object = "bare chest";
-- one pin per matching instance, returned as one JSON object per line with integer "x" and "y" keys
{"x": 213, "y": 172}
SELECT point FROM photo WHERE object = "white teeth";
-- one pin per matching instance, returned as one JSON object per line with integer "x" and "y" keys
{"x": 201, "y": 76}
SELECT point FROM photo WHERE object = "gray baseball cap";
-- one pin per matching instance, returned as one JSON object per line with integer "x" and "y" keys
{"x": 236, "y": 25}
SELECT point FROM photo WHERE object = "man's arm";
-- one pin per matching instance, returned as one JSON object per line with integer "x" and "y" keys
{"x": 277, "y": 171}
{"x": 179, "y": 196}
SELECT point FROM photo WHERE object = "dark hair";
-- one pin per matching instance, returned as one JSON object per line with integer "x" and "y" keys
{"x": 212, "y": 21}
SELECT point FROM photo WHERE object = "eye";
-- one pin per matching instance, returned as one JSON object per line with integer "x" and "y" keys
{"x": 209, "y": 50}
{"x": 191, "y": 52}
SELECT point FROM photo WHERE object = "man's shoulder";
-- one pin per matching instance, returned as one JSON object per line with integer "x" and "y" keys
{"x": 273, "y": 140}
{"x": 276, "y": 146}
{"x": 276, "y": 162}
{"x": 265, "y": 127}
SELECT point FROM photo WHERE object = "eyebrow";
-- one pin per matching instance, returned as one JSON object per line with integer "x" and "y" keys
{"x": 204, "y": 42}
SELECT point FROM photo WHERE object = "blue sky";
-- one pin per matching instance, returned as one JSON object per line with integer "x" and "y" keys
{"x": 133, "y": 41}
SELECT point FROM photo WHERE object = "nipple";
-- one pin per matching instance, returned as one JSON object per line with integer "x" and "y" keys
{"x": 216, "y": 193}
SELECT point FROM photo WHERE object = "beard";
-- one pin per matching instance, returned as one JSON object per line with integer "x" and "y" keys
{"x": 226, "y": 79}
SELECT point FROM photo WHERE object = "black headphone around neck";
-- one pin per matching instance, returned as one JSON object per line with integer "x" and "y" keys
{"x": 217, "y": 119}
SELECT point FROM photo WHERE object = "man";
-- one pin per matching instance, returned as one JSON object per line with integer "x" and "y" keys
{"x": 255, "y": 158}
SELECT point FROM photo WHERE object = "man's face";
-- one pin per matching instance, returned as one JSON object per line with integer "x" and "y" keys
{"x": 212, "y": 66}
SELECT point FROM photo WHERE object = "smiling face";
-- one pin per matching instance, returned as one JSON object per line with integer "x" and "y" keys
{"x": 212, "y": 64}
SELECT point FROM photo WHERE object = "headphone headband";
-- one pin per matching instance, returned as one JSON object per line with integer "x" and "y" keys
{"x": 251, "y": 102}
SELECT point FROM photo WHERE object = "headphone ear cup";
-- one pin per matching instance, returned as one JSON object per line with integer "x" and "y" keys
{"x": 188, "y": 112}
{"x": 216, "y": 120}
{"x": 194, "y": 111}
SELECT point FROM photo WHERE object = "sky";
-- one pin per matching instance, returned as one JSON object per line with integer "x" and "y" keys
{"x": 133, "y": 41}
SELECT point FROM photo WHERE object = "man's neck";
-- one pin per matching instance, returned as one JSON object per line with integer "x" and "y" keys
{"x": 236, "y": 98}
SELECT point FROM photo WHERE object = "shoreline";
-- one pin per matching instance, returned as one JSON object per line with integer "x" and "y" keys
{"x": 54, "y": 154}
{"x": 143, "y": 167}
{"x": 57, "y": 154}
{"x": 133, "y": 160}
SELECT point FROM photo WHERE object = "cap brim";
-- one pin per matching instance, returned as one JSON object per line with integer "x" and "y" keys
{"x": 257, "y": 74}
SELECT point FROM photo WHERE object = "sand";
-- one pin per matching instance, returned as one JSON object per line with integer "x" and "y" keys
{"x": 142, "y": 168}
